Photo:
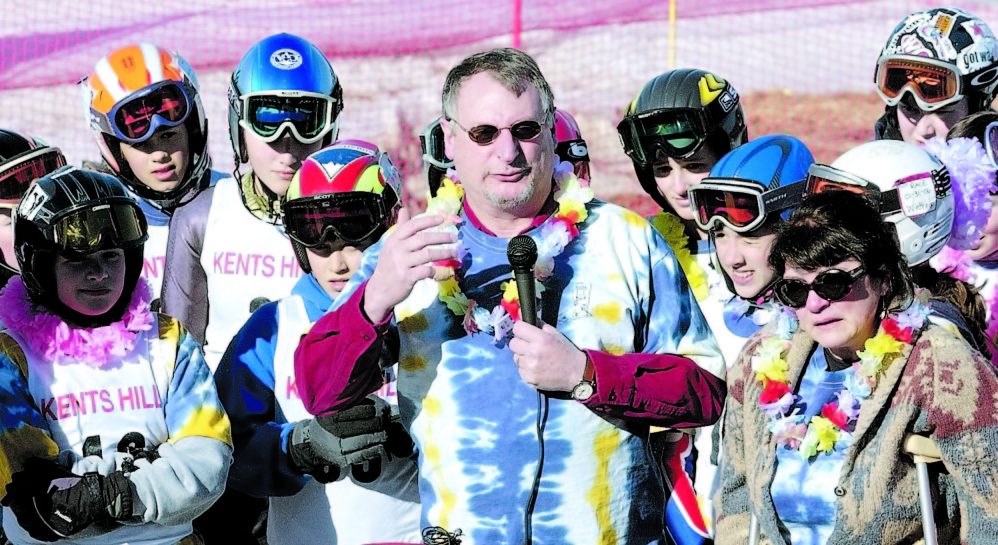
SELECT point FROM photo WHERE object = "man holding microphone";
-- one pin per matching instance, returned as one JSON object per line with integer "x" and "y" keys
{"x": 523, "y": 432}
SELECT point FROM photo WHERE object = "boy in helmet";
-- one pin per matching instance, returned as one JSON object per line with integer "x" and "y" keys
{"x": 937, "y": 67}
{"x": 22, "y": 160}
{"x": 228, "y": 250}
{"x": 340, "y": 202}
{"x": 118, "y": 441}
{"x": 143, "y": 105}
{"x": 677, "y": 128}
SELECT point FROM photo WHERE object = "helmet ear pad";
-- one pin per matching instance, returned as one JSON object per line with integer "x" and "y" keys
{"x": 302, "y": 256}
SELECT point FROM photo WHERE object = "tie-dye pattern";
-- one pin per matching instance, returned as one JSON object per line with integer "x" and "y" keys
{"x": 162, "y": 389}
{"x": 489, "y": 442}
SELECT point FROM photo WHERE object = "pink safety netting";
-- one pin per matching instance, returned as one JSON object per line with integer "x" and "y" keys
{"x": 392, "y": 57}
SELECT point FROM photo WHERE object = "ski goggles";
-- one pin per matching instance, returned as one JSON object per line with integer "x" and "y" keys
{"x": 309, "y": 116}
{"x": 741, "y": 205}
{"x": 914, "y": 195}
{"x": 18, "y": 173}
{"x": 933, "y": 84}
{"x": 431, "y": 141}
{"x": 831, "y": 285}
{"x": 110, "y": 225}
{"x": 351, "y": 217}
{"x": 678, "y": 133}
{"x": 483, "y": 135}
{"x": 162, "y": 104}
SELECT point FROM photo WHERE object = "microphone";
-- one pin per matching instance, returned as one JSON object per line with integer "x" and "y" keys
{"x": 522, "y": 255}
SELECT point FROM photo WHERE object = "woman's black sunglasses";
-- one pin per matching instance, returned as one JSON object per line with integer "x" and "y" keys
{"x": 830, "y": 285}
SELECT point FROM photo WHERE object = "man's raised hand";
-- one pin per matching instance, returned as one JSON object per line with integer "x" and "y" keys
{"x": 407, "y": 257}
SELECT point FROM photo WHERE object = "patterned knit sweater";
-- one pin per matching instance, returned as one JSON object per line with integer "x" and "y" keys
{"x": 939, "y": 387}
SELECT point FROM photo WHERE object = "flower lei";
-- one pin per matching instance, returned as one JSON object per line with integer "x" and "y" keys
{"x": 56, "y": 341}
{"x": 552, "y": 237}
{"x": 671, "y": 228}
{"x": 837, "y": 419}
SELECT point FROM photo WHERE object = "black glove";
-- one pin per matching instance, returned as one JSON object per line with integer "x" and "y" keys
{"x": 354, "y": 437}
{"x": 51, "y": 502}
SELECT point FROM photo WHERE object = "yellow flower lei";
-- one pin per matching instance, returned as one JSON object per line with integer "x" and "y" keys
{"x": 671, "y": 229}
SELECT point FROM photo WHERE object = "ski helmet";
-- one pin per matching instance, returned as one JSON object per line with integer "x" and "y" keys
{"x": 349, "y": 191}
{"x": 677, "y": 113}
{"x": 751, "y": 185}
{"x": 570, "y": 146}
{"x": 283, "y": 83}
{"x": 73, "y": 212}
{"x": 909, "y": 185}
{"x": 939, "y": 56}
{"x": 23, "y": 159}
{"x": 132, "y": 92}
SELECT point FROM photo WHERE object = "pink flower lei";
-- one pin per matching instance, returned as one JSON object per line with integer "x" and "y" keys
{"x": 56, "y": 341}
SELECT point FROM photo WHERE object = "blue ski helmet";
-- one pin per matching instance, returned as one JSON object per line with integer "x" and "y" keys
{"x": 283, "y": 83}
{"x": 751, "y": 185}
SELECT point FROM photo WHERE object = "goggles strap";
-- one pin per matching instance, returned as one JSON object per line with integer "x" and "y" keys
{"x": 783, "y": 197}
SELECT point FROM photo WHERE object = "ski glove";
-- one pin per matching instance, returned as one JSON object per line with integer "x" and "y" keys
{"x": 51, "y": 503}
{"x": 326, "y": 445}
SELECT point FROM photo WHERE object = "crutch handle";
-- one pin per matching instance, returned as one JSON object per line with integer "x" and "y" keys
{"x": 922, "y": 449}
{"x": 925, "y": 452}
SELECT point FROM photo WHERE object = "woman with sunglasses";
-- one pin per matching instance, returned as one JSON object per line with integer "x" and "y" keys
{"x": 819, "y": 405}
{"x": 112, "y": 431}
{"x": 917, "y": 193}
{"x": 143, "y": 105}
{"x": 339, "y": 203}
{"x": 937, "y": 67}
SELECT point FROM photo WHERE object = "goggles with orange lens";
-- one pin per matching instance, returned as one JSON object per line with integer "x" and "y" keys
{"x": 741, "y": 205}
{"x": 822, "y": 178}
{"x": 933, "y": 84}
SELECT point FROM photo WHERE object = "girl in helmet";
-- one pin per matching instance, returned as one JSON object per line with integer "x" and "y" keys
{"x": 22, "y": 160}
{"x": 819, "y": 408}
{"x": 228, "y": 248}
{"x": 977, "y": 261}
{"x": 143, "y": 105}
{"x": 340, "y": 202}
{"x": 937, "y": 67}
{"x": 914, "y": 191}
{"x": 741, "y": 204}
{"x": 112, "y": 429}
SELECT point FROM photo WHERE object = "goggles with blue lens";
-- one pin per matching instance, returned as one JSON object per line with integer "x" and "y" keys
{"x": 134, "y": 119}
{"x": 308, "y": 116}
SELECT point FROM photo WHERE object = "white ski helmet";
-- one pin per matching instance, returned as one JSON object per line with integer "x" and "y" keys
{"x": 911, "y": 186}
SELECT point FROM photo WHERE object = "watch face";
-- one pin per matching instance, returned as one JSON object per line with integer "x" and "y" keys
{"x": 582, "y": 391}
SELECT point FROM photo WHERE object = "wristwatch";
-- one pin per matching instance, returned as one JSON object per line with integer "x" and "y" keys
{"x": 587, "y": 386}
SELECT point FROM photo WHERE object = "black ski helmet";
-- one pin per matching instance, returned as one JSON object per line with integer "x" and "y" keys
{"x": 94, "y": 208}
{"x": 698, "y": 108}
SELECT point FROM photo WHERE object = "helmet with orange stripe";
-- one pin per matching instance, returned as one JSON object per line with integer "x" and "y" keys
{"x": 349, "y": 191}
{"x": 131, "y": 93}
